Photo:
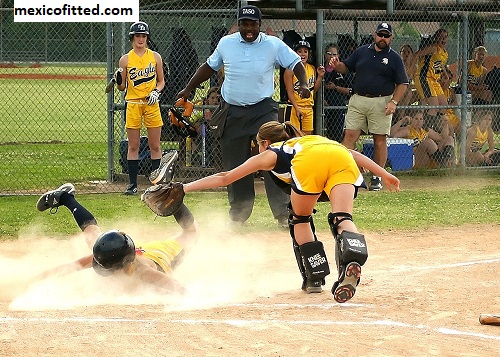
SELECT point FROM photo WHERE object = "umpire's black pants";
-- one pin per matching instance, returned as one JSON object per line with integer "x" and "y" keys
{"x": 241, "y": 126}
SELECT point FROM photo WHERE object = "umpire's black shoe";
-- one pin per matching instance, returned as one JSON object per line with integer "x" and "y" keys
{"x": 52, "y": 199}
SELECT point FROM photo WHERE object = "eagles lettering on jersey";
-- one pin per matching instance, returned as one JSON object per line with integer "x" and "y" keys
{"x": 480, "y": 139}
{"x": 139, "y": 76}
{"x": 472, "y": 79}
{"x": 310, "y": 84}
{"x": 311, "y": 78}
{"x": 437, "y": 67}
{"x": 417, "y": 136}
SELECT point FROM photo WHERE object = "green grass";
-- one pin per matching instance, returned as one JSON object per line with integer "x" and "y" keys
{"x": 34, "y": 163}
{"x": 56, "y": 131}
{"x": 414, "y": 208}
{"x": 66, "y": 110}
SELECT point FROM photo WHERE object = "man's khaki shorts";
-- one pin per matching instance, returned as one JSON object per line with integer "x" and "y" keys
{"x": 368, "y": 115}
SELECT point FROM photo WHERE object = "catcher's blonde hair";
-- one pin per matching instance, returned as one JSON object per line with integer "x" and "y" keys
{"x": 275, "y": 131}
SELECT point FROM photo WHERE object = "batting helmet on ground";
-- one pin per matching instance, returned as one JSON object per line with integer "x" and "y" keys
{"x": 112, "y": 250}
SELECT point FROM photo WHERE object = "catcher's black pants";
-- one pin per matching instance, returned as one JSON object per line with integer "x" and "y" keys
{"x": 242, "y": 124}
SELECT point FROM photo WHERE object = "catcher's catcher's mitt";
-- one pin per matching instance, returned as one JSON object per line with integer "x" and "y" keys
{"x": 164, "y": 200}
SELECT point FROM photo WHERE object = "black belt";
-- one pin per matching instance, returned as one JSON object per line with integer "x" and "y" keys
{"x": 371, "y": 95}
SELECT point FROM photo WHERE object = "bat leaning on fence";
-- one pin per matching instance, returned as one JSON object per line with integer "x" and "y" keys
{"x": 489, "y": 319}
{"x": 111, "y": 83}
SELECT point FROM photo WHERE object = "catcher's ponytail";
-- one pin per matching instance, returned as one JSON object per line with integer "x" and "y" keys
{"x": 275, "y": 131}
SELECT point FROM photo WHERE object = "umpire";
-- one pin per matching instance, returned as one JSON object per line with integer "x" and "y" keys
{"x": 379, "y": 84}
{"x": 249, "y": 58}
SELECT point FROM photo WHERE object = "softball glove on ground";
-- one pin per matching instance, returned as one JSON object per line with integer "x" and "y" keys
{"x": 164, "y": 200}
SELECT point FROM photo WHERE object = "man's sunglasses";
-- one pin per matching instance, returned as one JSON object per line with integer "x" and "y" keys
{"x": 384, "y": 35}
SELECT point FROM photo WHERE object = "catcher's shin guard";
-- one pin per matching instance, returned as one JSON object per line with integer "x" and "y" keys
{"x": 311, "y": 257}
{"x": 350, "y": 254}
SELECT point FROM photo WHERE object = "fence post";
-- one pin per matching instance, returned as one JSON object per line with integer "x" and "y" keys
{"x": 463, "y": 81}
{"x": 319, "y": 101}
{"x": 110, "y": 101}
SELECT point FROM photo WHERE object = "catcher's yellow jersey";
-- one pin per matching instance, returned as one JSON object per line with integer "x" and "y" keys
{"x": 417, "y": 135}
{"x": 313, "y": 163}
{"x": 480, "y": 138}
{"x": 475, "y": 73}
{"x": 164, "y": 253}
{"x": 311, "y": 78}
{"x": 141, "y": 75}
{"x": 432, "y": 65}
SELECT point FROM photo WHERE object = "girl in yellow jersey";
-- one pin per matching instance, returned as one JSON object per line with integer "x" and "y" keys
{"x": 476, "y": 73}
{"x": 300, "y": 110}
{"x": 425, "y": 142}
{"x": 115, "y": 253}
{"x": 431, "y": 61}
{"x": 310, "y": 167}
{"x": 451, "y": 98}
{"x": 143, "y": 79}
{"x": 478, "y": 135}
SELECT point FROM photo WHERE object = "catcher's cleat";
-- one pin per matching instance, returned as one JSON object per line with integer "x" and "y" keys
{"x": 313, "y": 286}
{"x": 344, "y": 289}
{"x": 52, "y": 199}
{"x": 130, "y": 190}
{"x": 165, "y": 172}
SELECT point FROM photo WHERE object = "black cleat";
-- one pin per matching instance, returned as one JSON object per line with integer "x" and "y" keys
{"x": 131, "y": 190}
{"x": 52, "y": 199}
{"x": 165, "y": 172}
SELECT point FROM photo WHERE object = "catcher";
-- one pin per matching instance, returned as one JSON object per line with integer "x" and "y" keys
{"x": 114, "y": 252}
{"x": 309, "y": 168}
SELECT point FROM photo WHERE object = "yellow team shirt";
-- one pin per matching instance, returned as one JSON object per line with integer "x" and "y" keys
{"x": 312, "y": 164}
{"x": 475, "y": 73}
{"x": 311, "y": 78}
{"x": 141, "y": 75}
{"x": 164, "y": 253}
{"x": 480, "y": 139}
{"x": 417, "y": 136}
{"x": 431, "y": 66}
{"x": 450, "y": 113}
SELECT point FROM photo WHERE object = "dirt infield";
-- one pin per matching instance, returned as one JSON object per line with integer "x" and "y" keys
{"x": 421, "y": 294}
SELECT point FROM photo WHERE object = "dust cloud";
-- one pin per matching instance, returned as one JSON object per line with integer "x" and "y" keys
{"x": 224, "y": 267}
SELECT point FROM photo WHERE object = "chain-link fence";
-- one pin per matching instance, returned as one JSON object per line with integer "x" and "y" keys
{"x": 60, "y": 126}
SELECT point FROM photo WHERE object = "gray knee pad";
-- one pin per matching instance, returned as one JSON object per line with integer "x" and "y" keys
{"x": 314, "y": 260}
{"x": 350, "y": 247}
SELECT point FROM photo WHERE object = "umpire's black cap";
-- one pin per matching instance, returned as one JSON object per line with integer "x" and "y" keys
{"x": 249, "y": 12}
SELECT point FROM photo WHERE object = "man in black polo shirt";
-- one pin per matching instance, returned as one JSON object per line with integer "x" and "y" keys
{"x": 379, "y": 84}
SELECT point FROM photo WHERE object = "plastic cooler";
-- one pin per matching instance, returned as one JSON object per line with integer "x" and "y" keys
{"x": 399, "y": 153}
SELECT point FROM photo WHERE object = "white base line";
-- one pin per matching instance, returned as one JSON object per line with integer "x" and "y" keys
{"x": 245, "y": 323}
{"x": 451, "y": 265}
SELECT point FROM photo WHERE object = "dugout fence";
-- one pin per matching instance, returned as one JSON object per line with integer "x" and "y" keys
{"x": 60, "y": 126}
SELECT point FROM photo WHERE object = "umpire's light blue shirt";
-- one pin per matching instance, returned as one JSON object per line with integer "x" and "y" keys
{"x": 249, "y": 66}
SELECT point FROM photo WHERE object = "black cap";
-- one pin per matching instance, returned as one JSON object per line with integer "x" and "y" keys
{"x": 249, "y": 12}
{"x": 384, "y": 26}
{"x": 301, "y": 43}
